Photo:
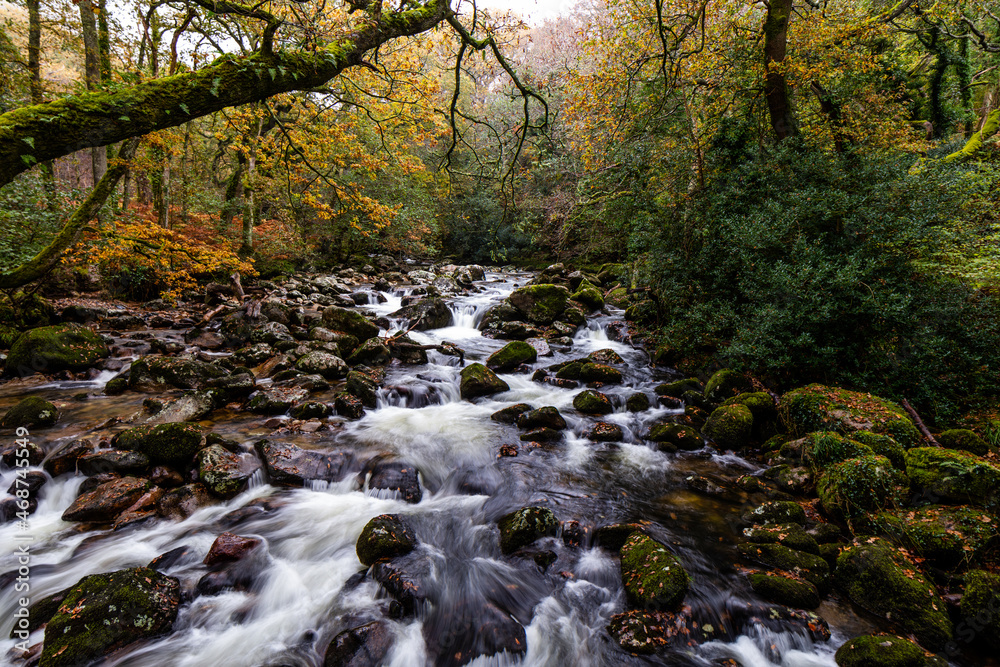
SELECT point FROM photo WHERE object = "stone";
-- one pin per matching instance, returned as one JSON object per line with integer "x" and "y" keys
{"x": 229, "y": 548}
{"x": 776, "y": 511}
{"x": 362, "y": 646}
{"x": 310, "y": 410}
{"x": 821, "y": 408}
{"x": 330, "y": 366}
{"x": 349, "y": 406}
{"x": 191, "y": 407}
{"x": 64, "y": 347}
{"x": 225, "y": 474}
{"x": 510, "y": 414}
{"x": 604, "y": 432}
{"x": 730, "y": 426}
{"x": 637, "y": 402}
{"x": 395, "y": 476}
{"x": 880, "y": 651}
{"x": 156, "y": 374}
{"x": 385, "y": 537}
{"x": 591, "y": 402}
{"x": 275, "y": 400}
{"x": 510, "y": 356}
{"x": 406, "y": 589}
{"x": 122, "y": 462}
{"x": 947, "y": 537}
{"x": 652, "y": 575}
{"x": 980, "y": 603}
{"x": 478, "y": 380}
{"x": 364, "y": 387}
{"x": 964, "y": 439}
{"x": 31, "y": 412}
{"x": 784, "y": 589}
{"x": 546, "y": 417}
{"x": 725, "y": 384}
{"x": 540, "y": 304}
{"x": 175, "y": 443}
{"x": 372, "y": 352}
{"x": 524, "y": 526}
{"x": 290, "y": 465}
{"x": 104, "y": 503}
{"x": 676, "y": 435}
{"x": 349, "y": 321}
{"x": 856, "y": 487}
{"x": 791, "y": 535}
{"x": 469, "y": 629}
{"x": 952, "y": 476}
{"x": 426, "y": 314}
{"x": 810, "y": 567}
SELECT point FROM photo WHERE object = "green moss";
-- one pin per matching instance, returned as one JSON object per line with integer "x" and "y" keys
{"x": 364, "y": 387}
{"x": 383, "y": 538}
{"x": 810, "y": 567}
{"x": 570, "y": 371}
{"x": 600, "y": 373}
{"x": 591, "y": 402}
{"x": 760, "y": 404}
{"x": 510, "y": 414}
{"x": 790, "y": 535}
{"x": 511, "y": 355}
{"x": 853, "y": 488}
{"x": 824, "y": 448}
{"x": 726, "y": 384}
{"x": 477, "y": 380}
{"x": 541, "y": 304}
{"x": 589, "y": 296}
{"x": 980, "y": 607}
{"x": 220, "y": 470}
{"x": 964, "y": 439}
{"x": 350, "y": 322}
{"x": 776, "y": 511}
{"x": 33, "y": 412}
{"x": 880, "y": 651}
{"x": 677, "y": 389}
{"x": 730, "y": 426}
{"x": 637, "y": 402}
{"x": 521, "y": 528}
{"x": 56, "y": 348}
{"x": 883, "y": 581}
{"x": 618, "y": 297}
{"x": 953, "y": 475}
{"x": 174, "y": 443}
{"x": 948, "y": 537}
{"x": 652, "y": 576}
{"x": 883, "y": 445}
{"x": 821, "y": 408}
{"x": 784, "y": 589}
{"x": 677, "y": 435}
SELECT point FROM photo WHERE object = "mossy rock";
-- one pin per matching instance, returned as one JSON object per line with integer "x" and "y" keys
{"x": 953, "y": 476}
{"x": 591, "y": 402}
{"x": 545, "y": 417}
{"x": 65, "y": 347}
{"x": 964, "y": 439}
{"x": 652, "y": 575}
{"x": 173, "y": 444}
{"x": 540, "y": 304}
{"x": 824, "y": 448}
{"x": 730, "y": 426}
{"x": 32, "y": 412}
{"x": 569, "y": 371}
{"x": 883, "y": 581}
{"x": 478, "y": 380}
{"x": 776, "y": 511}
{"x": 31, "y": 311}
{"x": 676, "y": 435}
{"x": 856, "y": 487}
{"x": 791, "y": 535}
{"x": 317, "y": 362}
{"x": 156, "y": 373}
{"x": 310, "y": 410}
{"x": 725, "y": 384}
{"x": 644, "y": 312}
{"x": 639, "y": 631}
{"x": 790, "y": 479}
{"x": 364, "y": 387}
{"x": 383, "y": 538}
{"x": 880, "y": 651}
{"x": 373, "y": 352}
{"x": 607, "y": 356}
{"x": 524, "y": 526}
{"x": 947, "y": 537}
{"x": 821, "y": 408}
{"x": 589, "y": 296}
{"x": 784, "y": 589}
{"x": 637, "y": 402}
{"x": 618, "y": 298}
{"x": 106, "y": 612}
{"x": 510, "y": 414}
{"x": 980, "y": 604}
{"x": 810, "y": 567}
{"x": 760, "y": 404}
{"x": 222, "y": 471}
{"x": 883, "y": 445}
{"x": 512, "y": 355}
{"x": 676, "y": 389}
{"x": 600, "y": 373}
{"x": 349, "y": 321}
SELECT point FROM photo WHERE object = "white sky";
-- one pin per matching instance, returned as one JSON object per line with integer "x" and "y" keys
{"x": 534, "y": 10}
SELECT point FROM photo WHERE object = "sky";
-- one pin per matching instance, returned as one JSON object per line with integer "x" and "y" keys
{"x": 535, "y": 11}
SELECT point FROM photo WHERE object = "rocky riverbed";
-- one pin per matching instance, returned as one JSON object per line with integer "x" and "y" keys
{"x": 462, "y": 466}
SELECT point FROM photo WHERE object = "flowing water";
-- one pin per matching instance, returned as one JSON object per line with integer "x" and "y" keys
{"x": 305, "y": 586}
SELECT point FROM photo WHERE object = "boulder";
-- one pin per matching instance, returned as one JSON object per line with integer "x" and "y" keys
{"x": 540, "y": 304}
{"x": 637, "y": 402}
{"x": 591, "y": 372}
{"x": 428, "y": 313}
{"x": 854, "y": 488}
{"x": 31, "y": 412}
{"x": 510, "y": 356}
{"x": 372, "y": 352}
{"x": 652, "y": 575}
{"x": 589, "y": 296}
{"x": 821, "y": 408}
{"x": 310, "y": 410}
{"x": 791, "y": 535}
{"x": 395, "y": 476}
{"x": 385, "y": 537}
{"x": 964, "y": 439}
{"x": 725, "y": 384}
{"x": 172, "y": 444}
{"x": 947, "y": 537}
{"x": 362, "y": 646}
{"x": 776, "y": 511}
{"x": 225, "y": 474}
{"x": 606, "y": 356}
{"x": 364, "y": 387}
{"x": 478, "y": 380}
{"x": 824, "y": 448}
{"x": 229, "y": 548}
{"x": 604, "y": 432}
{"x": 730, "y": 426}
{"x": 545, "y": 417}
{"x": 274, "y": 400}
{"x": 64, "y": 347}
{"x": 121, "y": 462}
{"x": 330, "y": 366}
{"x": 810, "y": 567}
{"x": 676, "y": 435}
{"x": 104, "y": 503}
{"x": 156, "y": 374}
{"x": 524, "y": 526}
{"x": 105, "y": 612}
{"x": 349, "y": 406}
{"x": 952, "y": 476}
{"x": 193, "y": 406}
{"x": 510, "y": 414}
{"x": 880, "y": 651}
{"x": 349, "y": 321}
{"x": 289, "y": 465}
{"x": 785, "y": 589}
{"x": 591, "y": 402}
{"x": 468, "y": 629}
{"x": 980, "y": 604}
{"x": 883, "y": 445}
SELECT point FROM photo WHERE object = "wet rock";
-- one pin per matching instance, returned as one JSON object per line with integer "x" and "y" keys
{"x": 613, "y": 536}
{"x": 163, "y": 443}
{"x": 349, "y": 406}
{"x": 288, "y": 465}
{"x": 396, "y": 476}
{"x": 809, "y": 566}
{"x": 791, "y": 535}
{"x": 637, "y": 402}
{"x": 105, "y": 612}
{"x": 784, "y": 589}
{"x": 253, "y": 355}
{"x": 726, "y": 384}
{"x": 16, "y": 508}
{"x": 310, "y": 410}
{"x": 106, "y": 501}
{"x": 30, "y": 482}
{"x": 229, "y": 548}
{"x": 541, "y": 346}
{"x": 521, "y": 528}
{"x": 604, "y": 432}
{"x": 330, "y": 366}
{"x": 540, "y": 304}
{"x": 271, "y": 333}
{"x": 182, "y": 502}
{"x": 541, "y": 434}
{"x": 963, "y": 439}
{"x": 677, "y": 435}
{"x": 467, "y": 630}
{"x": 547, "y": 417}
{"x": 477, "y": 380}
{"x": 881, "y": 651}
{"x": 776, "y": 511}
{"x": 851, "y": 489}
{"x": 122, "y": 462}
{"x": 593, "y": 402}
{"x": 232, "y": 387}
{"x": 730, "y": 426}
{"x": 678, "y": 388}
{"x": 589, "y": 296}
{"x": 821, "y": 408}
{"x": 952, "y": 476}
{"x": 156, "y": 374}
{"x": 194, "y": 406}
{"x": 600, "y": 373}
{"x": 652, "y": 575}
{"x": 372, "y": 352}
{"x": 517, "y": 331}
{"x": 466, "y": 275}
{"x": 948, "y": 537}
{"x": 980, "y": 603}
{"x": 886, "y": 583}
{"x": 385, "y": 537}
{"x": 510, "y": 356}
{"x": 408, "y": 351}
{"x": 12, "y": 453}
{"x": 363, "y": 646}
{"x": 789, "y": 479}
{"x": 407, "y": 590}
{"x": 64, "y": 347}
{"x": 426, "y": 314}
{"x": 349, "y": 321}
{"x": 510, "y": 414}
{"x": 31, "y": 412}
{"x": 364, "y": 387}
{"x": 276, "y": 400}
{"x": 225, "y": 474}
{"x": 143, "y": 509}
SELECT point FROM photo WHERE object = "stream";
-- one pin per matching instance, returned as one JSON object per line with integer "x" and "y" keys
{"x": 306, "y": 584}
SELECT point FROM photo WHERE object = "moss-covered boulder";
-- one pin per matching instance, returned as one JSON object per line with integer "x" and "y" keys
{"x": 824, "y": 448}
{"x": 760, "y": 403}
{"x": 947, "y": 537}
{"x": 349, "y": 321}
{"x": 821, "y": 408}
{"x": 156, "y": 373}
{"x": 725, "y": 384}
{"x": 591, "y": 402}
{"x": 541, "y": 304}
{"x": 589, "y": 296}
{"x": 225, "y": 474}
{"x": 511, "y": 355}
{"x": 32, "y": 412}
{"x": 677, "y": 388}
{"x": 980, "y": 605}
{"x": 676, "y": 435}
{"x": 637, "y": 402}
{"x": 785, "y": 589}
{"x": 652, "y": 575}
{"x": 886, "y": 583}
{"x": 64, "y": 347}
{"x": 524, "y": 526}
{"x": 964, "y": 439}
{"x": 810, "y": 567}
{"x": 880, "y": 651}
{"x": 373, "y": 352}
{"x": 730, "y": 426}
{"x": 591, "y": 372}
{"x": 317, "y": 362}
{"x": 105, "y": 612}
{"x": 791, "y": 535}
{"x": 173, "y": 444}
{"x": 856, "y": 487}
{"x": 364, "y": 387}
{"x": 776, "y": 511}
{"x": 510, "y": 414}
{"x": 606, "y": 356}
{"x": 883, "y": 445}
{"x": 544, "y": 417}
{"x": 425, "y": 314}
{"x": 953, "y": 476}
{"x": 478, "y": 380}
{"x": 385, "y": 537}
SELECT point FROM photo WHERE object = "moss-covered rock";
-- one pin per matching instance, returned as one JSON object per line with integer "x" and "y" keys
{"x": 791, "y": 535}
{"x": 364, "y": 387}
{"x": 105, "y": 612}
{"x": 510, "y": 414}
{"x": 317, "y": 362}
{"x": 886, "y": 583}
{"x": 478, "y": 380}
{"x": 544, "y": 417}
{"x": 64, "y": 347}
{"x": 385, "y": 537}
{"x": 637, "y": 402}
{"x": 785, "y": 589}
{"x": 425, "y": 314}
{"x": 810, "y": 567}
{"x": 510, "y": 356}
{"x": 32, "y": 412}
{"x": 760, "y": 403}
{"x": 824, "y": 448}
{"x": 980, "y": 606}
{"x": 676, "y": 435}
{"x": 591, "y": 402}
{"x": 730, "y": 426}
{"x": 880, "y": 651}
{"x": 947, "y": 537}
{"x": 156, "y": 373}
{"x": 173, "y": 444}
{"x": 373, "y": 352}
{"x": 349, "y": 321}
{"x": 640, "y": 631}
{"x": 602, "y": 373}
{"x": 521, "y": 528}
{"x": 964, "y": 439}
{"x": 953, "y": 476}
{"x": 676, "y": 389}
{"x": 856, "y": 487}
{"x": 725, "y": 384}
{"x": 606, "y": 356}
{"x": 541, "y": 304}
{"x": 776, "y": 511}
{"x": 883, "y": 445}
{"x": 652, "y": 575}
{"x": 821, "y": 408}
{"x": 222, "y": 472}
{"x": 589, "y": 296}
{"x": 310, "y": 410}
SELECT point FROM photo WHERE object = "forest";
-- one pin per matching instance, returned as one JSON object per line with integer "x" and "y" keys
{"x": 289, "y": 264}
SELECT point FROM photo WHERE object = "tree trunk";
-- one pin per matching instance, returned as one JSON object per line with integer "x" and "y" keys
{"x": 779, "y": 104}
{"x": 234, "y": 192}
{"x": 92, "y": 57}
{"x": 35, "y": 50}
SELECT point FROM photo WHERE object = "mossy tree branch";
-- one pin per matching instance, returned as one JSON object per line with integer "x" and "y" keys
{"x": 976, "y": 142}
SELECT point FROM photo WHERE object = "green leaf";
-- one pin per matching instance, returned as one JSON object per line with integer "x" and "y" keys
{"x": 29, "y": 140}
{"x": 184, "y": 108}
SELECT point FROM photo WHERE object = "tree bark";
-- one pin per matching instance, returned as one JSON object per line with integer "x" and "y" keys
{"x": 30, "y": 135}
{"x": 776, "y": 91}
{"x": 35, "y": 50}
{"x": 92, "y": 58}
